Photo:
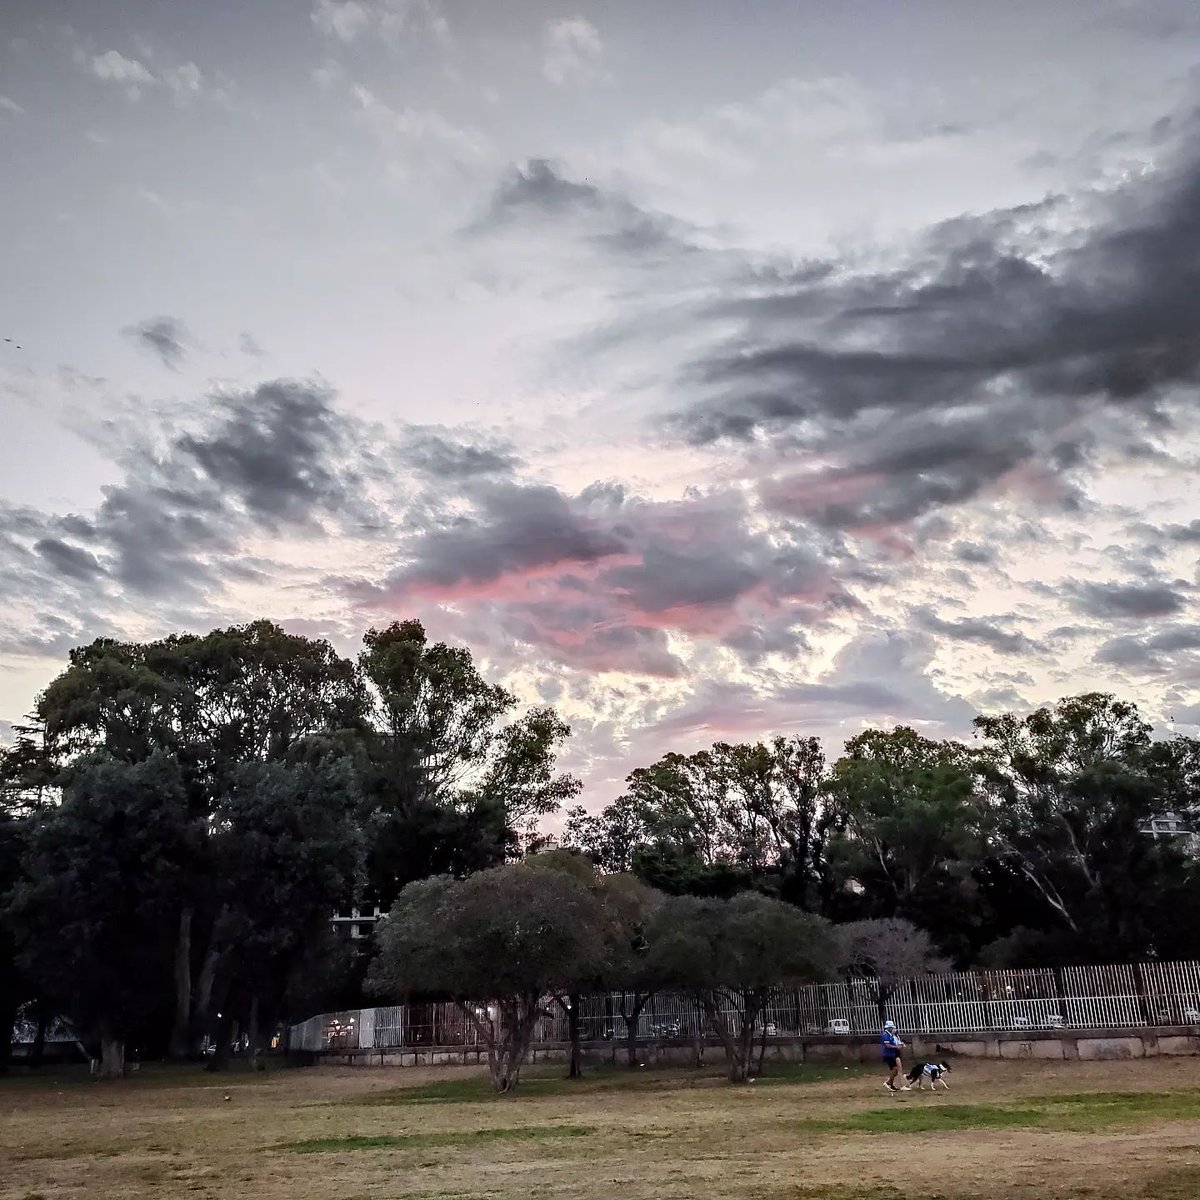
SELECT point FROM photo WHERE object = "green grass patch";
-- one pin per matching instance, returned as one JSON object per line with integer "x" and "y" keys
{"x": 1082, "y": 1113}
{"x": 477, "y": 1089}
{"x": 425, "y": 1141}
{"x": 60, "y": 1077}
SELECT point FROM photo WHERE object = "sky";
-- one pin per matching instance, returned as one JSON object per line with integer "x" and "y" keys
{"x": 714, "y": 371}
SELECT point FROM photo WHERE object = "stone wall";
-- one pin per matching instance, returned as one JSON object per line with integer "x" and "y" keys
{"x": 1109, "y": 1044}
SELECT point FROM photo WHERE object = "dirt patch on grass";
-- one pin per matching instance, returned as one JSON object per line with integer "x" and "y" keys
{"x": 1024, "y": 1129}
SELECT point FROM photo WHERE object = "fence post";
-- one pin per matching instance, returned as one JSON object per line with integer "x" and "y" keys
{"x": 1139, "y": 991}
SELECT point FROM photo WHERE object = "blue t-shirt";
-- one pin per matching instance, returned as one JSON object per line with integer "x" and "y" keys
{"x": 890, "y": 1043}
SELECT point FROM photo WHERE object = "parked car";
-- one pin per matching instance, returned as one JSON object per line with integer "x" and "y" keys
{"x": 839, "y": 1025}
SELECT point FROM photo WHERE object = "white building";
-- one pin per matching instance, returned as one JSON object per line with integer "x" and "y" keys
{"x": 356, "y": 922}
{"x": 1172, "y": 825}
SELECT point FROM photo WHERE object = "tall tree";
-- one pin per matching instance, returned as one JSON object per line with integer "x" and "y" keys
{"x": 721, "y": 820}
{"x": 214, "y": 703}
{"x": 11, "y": 845}
{"x": 288, "y": 849}
{"x": 454, "y": 781}
{"x": 915, "y": 825}
{"x": 101, "y": 878}
{"x": 1074, "y": 787}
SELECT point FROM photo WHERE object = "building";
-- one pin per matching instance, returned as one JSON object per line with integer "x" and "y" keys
{"x": 1172, "y": 825}
{"x": 356, "y": 922}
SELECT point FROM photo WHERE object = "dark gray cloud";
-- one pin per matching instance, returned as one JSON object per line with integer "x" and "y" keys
{"x": 983, "y": 631}
{"x": 277, "y": 457}
{"x": 537, "y": 192}
{"x": 68, "y": 560}
{"x": 1151, "y": 652}
{"x": 279, "y": 451}
{"x": 442, "y": 458}
{"x": 974, "y": 552}
{"x": 1187, "y": 534}
{"x": 601, "y": 578}
{"x": 1000, "y": 358}
{"x": 997, "y": 314}
{"x": 1111, "y": 601}
{"x": 165, "y": 337}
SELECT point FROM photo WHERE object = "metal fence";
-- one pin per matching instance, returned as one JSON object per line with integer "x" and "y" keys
{"x": 1082, "y": 998}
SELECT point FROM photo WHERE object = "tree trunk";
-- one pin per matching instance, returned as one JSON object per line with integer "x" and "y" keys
{"x": 112, "y": 1056}
{"x": 222, "y": 1037}
{"x": 205, "y": 983}
{"x": 181, "y": 1029}
{"x": 734, "y": 1056}
{"x": 253, "y": 1033}
{"x": 575, "y": 1070}
{"x": 8, "y": 1016}
{"x": 37, "y": 1052}
{"x": 632, "y": 1018}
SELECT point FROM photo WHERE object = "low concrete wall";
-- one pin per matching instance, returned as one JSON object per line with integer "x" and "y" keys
{"x": 1058, "y": 1044}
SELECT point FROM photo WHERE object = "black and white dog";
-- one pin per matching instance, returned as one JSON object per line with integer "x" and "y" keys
{"x": 935, "y": 1072}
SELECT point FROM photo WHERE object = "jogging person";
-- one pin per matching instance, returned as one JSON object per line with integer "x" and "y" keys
{"x": 891, "y": 1045}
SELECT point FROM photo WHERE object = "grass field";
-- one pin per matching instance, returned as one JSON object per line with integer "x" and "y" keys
{"x": 1127, "y": 1130}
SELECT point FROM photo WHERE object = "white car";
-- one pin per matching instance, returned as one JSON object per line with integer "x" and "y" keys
{"x": 838, "y": 1026}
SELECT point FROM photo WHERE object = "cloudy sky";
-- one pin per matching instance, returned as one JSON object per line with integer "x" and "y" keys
{"x": 710, "y": 375}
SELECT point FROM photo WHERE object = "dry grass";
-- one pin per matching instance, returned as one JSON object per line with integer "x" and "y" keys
{"x": 1125, "y": 1130}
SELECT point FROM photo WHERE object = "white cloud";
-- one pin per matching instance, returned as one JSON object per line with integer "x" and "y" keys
{"x": 347, "y": 20}
{"x": 574, "y": 49}
{"x": 341, "y": 19}
{"x": 10, "y": 105}
{"x": 185, "y": 81}
{"x": 327, "y": 75}
{"x": 129, "y": 73}
{"x": 417, "y": 127}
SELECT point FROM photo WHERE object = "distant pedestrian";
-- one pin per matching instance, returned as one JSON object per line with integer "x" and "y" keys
{"x": 890, "y": 1043}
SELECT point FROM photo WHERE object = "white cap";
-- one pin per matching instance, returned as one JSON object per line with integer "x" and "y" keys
{"x": 889, "y": 1024}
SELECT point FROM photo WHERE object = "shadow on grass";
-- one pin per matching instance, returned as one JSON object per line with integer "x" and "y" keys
{"x": 1083, "y": 1113}
{"x": 148, "y": 1075}
{"x": 551, "y": 1082}
{"x": 423, "y": 1141}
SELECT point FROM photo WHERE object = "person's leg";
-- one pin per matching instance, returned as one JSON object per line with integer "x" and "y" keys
{"x": 889, "y": 1061}
{"x": 896, "y": 1065}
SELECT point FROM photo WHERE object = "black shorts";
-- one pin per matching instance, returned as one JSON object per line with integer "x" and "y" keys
{"x": 890, "y": 1060}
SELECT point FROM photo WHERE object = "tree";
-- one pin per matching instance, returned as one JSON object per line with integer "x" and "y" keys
{"x": 915, "y": 825}
{"x": 452, "y": 783}
{"x": 720, "y": 821}
{"x": 1073, "y": 788}
{"x": 887, "y": 952}
{"x": 609, "y": 837}
{"x": 497, "y": 943}
{"x": 214, "y": 703}
{"x": 736, "y": 956}
{"x": 101, "y": 878}
{"x": 11, "y": 839}
{"x": 288, "y": 848}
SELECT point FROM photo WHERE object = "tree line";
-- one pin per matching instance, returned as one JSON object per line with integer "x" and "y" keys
{"x": 179, "y": 818}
